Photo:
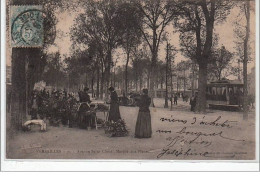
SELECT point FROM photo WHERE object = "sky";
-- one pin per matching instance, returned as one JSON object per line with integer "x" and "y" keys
{"x": 225, "y": 31}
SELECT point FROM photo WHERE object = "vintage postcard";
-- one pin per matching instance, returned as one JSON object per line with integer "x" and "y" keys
{"x": 163, "y": 80}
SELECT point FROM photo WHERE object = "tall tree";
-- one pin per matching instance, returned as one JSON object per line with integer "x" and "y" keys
{"x": 141, "y": 65}
{"x": 197, "y": 23}
{"x": 160, "y": 77}
{"x": 99, "y": 23}
{"x": 157, "y": 15}
{"x": 54, "y": 74}
{"x": 130, "y": 22}
{"x": 72, "y": 70}
{"x": 86, "y": 62}
{"x": 220, "y": 66}
{"x": 243, "y": 45}
{"x": 183, "y": 76}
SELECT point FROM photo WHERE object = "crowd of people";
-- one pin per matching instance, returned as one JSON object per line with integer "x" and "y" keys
{"x": 57, "y": 105}
{"x": 69, "y": 109}
{"x": 62, "y": 107}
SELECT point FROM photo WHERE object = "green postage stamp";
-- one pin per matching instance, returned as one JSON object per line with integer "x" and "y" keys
{"x": 26, "y": 26}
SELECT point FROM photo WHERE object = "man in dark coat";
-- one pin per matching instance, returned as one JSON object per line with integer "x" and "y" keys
{"x": 114, "y": 113}
{"x": 239, "y": 98}
{"x": 175, "y": 98}
{"x": 193, "y": 101}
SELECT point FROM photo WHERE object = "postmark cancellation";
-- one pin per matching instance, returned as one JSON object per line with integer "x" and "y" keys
{"x": 26, "y": 26}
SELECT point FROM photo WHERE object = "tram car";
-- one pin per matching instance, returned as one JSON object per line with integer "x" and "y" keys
{"x": 225, "y": 95}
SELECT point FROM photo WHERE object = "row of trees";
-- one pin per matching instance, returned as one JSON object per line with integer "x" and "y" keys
{"x": 105, "y": 26}
{"x": 185, "y": 72}
{"x": 139, "y": 28}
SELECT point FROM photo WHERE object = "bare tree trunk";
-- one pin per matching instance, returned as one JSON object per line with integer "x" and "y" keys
{"x": 107, "y": 71}
{"x": 126, "y": 72}
{"x": 166, "y": 77}
{"x": 166, "y": 88}
{"x": 152, "y": 79}
{"x": 192, "y": 83}
{"x": 136, "y": 82}
{"x": 114, "y": 83}
{"x": 201, "y": 100}
{"x": 97, "y": 93}
{"x": 162, "y": 79}
{"x": 92, "y": 83}
{"x": 184, "y": 83}
{"x": 18, "y": 105}
{"x": 153, "y": 67}
{"x": 238, "y": 74}
{"x": 245, "y": 91}
{"x": 111, "y": 77}
{"x": 148, "y": 81}
{"x": 206, "y": 52}
{"x": 34, "y": 69}
{"x": 106, "y": 82}
{"x": 141, "y": 82}
{"x": 102, "y": 85}
{"x": 177, "y": 84}
{"x": 86, "y": 82}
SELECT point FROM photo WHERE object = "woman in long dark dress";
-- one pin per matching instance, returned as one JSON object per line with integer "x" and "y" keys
{"x": 114, "y": 113}
{"x": 143, "y": 128}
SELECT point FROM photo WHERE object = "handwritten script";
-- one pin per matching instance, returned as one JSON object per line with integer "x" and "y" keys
{"x": 195, "y": 137}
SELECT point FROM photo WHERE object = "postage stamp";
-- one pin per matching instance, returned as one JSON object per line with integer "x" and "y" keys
{"x": 26, "y": 26}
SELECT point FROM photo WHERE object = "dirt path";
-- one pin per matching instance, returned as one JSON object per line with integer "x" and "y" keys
{"x": 173, "y": 133}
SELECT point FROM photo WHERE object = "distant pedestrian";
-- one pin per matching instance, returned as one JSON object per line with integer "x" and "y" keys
{"x": 175, "y": 99}
{"x": 143, "y": 128}
{"x": 240, "y": 98}
{"x": 124, "y": 100}
{"x": 193, "y": 101}
{"x": 185, "y": 97}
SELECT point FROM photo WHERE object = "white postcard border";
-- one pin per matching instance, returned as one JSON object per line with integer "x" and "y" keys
{"x": 120, "y": 165}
